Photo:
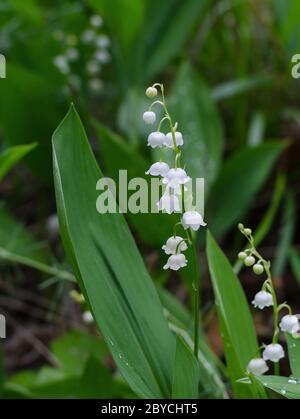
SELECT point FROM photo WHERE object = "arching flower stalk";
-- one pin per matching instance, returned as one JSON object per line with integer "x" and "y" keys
{"x": 267, "y": 298}
{"x": 175, "y": 180}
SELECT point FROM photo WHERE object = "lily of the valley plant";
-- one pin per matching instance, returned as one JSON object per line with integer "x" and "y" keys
{"x": 173, "y": 200}
{"x": 265, "y": 298}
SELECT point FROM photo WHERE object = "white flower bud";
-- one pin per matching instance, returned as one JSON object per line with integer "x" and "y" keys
{"x": 95, "y": 85}
{"x": 193, "y": 220}
{"x": 93, "y": 68}
{"x": 102, "y": 41}
{"x": 156, "y": 139}
{"x": 242, "y": 255}
{"x": 149, "y": 117}
{"x": 151, "y": 92}
{"x": 61, "y": 62}
{"x": 258, "y": 268}
{"x": 102, "y": 56}
{"x": 263, "y": 299}
{"x": 249, "y": 261}
{"x": 273, "y": 352}
{"x": 72, "y": 54}
{"x": 87, "y": 317}
{"x": 88, "y": 36}
{"x": 289, "y": 324}
{"x": 178, "y": 139}
{"x": 172, "y": 244}
{"x": 257, "y": 366}
{"x": 169, "y": 204}
{"x": 158, "y": 169}
{"x": 247, "y": 231}
{"x": 176, "y": 262}
{"x": 96, "y": 21}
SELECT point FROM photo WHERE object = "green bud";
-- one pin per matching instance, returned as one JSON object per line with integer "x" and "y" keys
{"x": 258, "y": 269}
{"x": 242, "y": 255}
{"x": 249, "y": 261}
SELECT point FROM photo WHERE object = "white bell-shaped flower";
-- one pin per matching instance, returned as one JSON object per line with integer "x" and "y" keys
{"x": 289, "y": 324}
{"x": 158, "y": 169}
{"x": 273, "y": 352}
{"x": 193, "y": 220}
{"x": 174, "y": 178}
{"x": 156, "y": 139}
{"x": 263, "y": 299}
{"x": 169, "y": 139}
{"x": 173, "y": 243}
{"x": 169, "y": 203}
{"x": 149, "y": 117}
{"x": 176, "y": 262}
{"x": 257, "y": 366}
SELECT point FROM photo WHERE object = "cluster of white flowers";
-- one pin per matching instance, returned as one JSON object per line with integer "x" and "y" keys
{"x": 266, "y": 297}
{"x": 174, "y": 179}
{"x": 96, "y": 45}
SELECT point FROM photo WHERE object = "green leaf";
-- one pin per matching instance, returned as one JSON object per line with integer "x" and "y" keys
{"x": 167, "y": 33}
{"x": 238, "y": 333}
{"x": 1, "y": 370}
{"x": 186, "y": 372}
{"x": 28, "y": 9}
{"x": 294, "y": 354}
{"x": 294, "y": 258}
{"x": 281, "y": 385}
{"x": 74, "y": 348}
{"x": 236, "y": 87}
{"x": 233, "y": 194}
{"x": 109, "y": 268}
{"x": 200, "y": 124}
{"x": 10, "y": 156}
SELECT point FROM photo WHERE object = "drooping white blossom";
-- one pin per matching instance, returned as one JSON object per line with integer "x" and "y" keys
{"x": 93, "y": 67}
{"x": 149, "y": 117}
{"x": 169, "y": 139}
{"x": 61, "y": 62}
{"x": 172, "y": 245}
{"x": 72, "y": 54}
{"x": 174, "y": 178}
{"x": 263, "y": 299}
{"x": 273, "y": 352}
{"x": 257, "y": 366}
{"x": 88, "y": 36}
{"x": 176, "y": 262}
{"x": 289, "y": 323}
{"x": 169, "y": 203}
{"x": 193, "y": 220}
{"x": 156, "y": 139}
{"x": 102, "y": 41}
{"x": 158, "y": 169}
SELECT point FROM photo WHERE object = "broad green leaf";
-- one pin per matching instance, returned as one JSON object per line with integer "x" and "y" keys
{"x": 239, "y": 86}
{"x": 28, "y": 9}
{"x": 237, "y": 329}
{"x": 167, "y": 33}
{"x": 295, "y": 263}
{"x": 281, "y": 385}
{"x": 294, "y": 354}
{"x": 200, "y": 124}
{"x": 74, "y": 348}
{"x": 186, "y": 372}
{"x": 287, "y": 232}
{"x": 10, "y": 156}
{"x": 117, "y": 155}
{"x": 1, "y": 370}
{"x": 240, "y": 179}
{"x": 34, "y": 99}
{"x": 109, "y": 268}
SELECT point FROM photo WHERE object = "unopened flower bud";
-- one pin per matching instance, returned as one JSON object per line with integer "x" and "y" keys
{"x": 242, "y": 255}
{"x": 258, "y": 269}
{"x": 248, "y": 231}
{"x": 151, "y": 92}
{"x": 249, "y": 261}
